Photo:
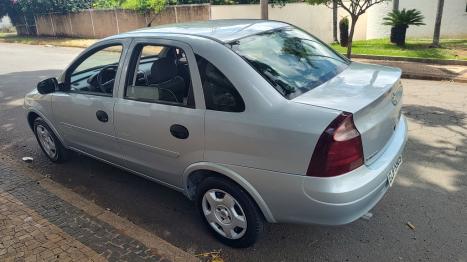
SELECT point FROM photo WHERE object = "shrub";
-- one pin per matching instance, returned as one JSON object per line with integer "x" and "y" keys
{"x": 344, "y": 31}
{"x": 140, "y": 5}
{"x": 107, "y": 3}
{"x": 144, "y": 5}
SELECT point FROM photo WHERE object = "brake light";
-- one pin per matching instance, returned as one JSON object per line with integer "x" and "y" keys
{"x": 339, "y": 149}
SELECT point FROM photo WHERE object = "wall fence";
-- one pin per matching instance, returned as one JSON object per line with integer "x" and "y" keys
{"x": 314, "y": 19}
{"x": 94, "y": 23}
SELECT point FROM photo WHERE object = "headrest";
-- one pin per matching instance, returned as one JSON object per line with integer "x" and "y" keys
{"x": 163, "y": 69}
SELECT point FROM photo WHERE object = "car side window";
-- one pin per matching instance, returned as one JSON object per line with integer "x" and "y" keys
{"x": 159, "y": 74}
{"x": 219, "y": 92}
{"x": 96, "y": 73}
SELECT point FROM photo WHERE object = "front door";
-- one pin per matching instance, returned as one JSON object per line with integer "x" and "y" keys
{"x": 158, "y": 123}
{"x": 84, "y": 107}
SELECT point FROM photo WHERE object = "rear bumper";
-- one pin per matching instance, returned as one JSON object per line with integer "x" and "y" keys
{"x": 328, "y": 201}
{"x": 346, "y": 198}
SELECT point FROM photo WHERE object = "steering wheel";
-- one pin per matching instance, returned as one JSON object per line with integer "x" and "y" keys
{"x": 106, "y": 78}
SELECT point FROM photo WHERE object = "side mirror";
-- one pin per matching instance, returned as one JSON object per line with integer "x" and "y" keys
{"x": 47, "y": 86}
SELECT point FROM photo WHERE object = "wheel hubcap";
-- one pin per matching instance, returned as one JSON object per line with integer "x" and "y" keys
{"x": 46, "y": 140}
{"x": 224, "y": 214}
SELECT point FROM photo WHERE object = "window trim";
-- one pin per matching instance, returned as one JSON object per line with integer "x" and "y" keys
{"x": 66, "y": 85}
{"x": 204, "y": 90}
{"x": 134, "y": 59}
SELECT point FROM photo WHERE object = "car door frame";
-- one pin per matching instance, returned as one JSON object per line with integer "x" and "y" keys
{"x": 126, "y": 44}
{"x": 65, "y": 79}
{"x": 198, "y": 94}
{"x": 196, "y": 86}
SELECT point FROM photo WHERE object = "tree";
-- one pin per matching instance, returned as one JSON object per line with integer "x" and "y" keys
{"x": 264, "y": 9}
{"x": 21, "y": 12}
{"x": 355, "y": 8}
{"x": 439, "y": 16}
{"x": 400, "y": 21}
{"x": 334, "y": 20}
{"x": 3, "y": 8}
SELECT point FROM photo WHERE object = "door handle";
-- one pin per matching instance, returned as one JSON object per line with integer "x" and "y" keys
{"x": 102, "y": 116}
{"x": 179, "y": 131}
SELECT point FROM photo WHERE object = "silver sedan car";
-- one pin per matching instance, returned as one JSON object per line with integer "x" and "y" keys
{"x": 252, "y": 120}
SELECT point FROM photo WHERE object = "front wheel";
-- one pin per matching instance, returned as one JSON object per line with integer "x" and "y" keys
{"x": 49, "y": 143}
{"x": 229, "y": 212}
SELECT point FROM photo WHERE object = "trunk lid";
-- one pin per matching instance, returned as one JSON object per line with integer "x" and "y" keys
{"x": 372, "y": 94}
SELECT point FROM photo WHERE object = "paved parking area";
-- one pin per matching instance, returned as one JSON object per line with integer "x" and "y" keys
{"x": 37, "y": 225}
{"x": 430, "y": 191}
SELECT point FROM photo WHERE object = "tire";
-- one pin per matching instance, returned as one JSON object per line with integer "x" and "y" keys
{"x": 233, "y": 205}
{"x": 49, "y": 143}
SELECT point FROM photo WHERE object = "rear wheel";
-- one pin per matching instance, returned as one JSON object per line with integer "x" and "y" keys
{"x": 228, "y": 212}
{"x": 49, "y": 143}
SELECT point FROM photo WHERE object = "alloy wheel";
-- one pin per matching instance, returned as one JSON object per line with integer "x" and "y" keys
{"x": 224, "y": 214}
{"x": 46, "y": 140}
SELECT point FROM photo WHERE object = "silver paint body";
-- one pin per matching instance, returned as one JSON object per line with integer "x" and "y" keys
{"x": 266, "y": 149}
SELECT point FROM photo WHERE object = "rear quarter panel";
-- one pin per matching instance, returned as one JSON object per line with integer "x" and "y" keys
{"x": 272, "y": 133}
{"x": 281, "y": 139}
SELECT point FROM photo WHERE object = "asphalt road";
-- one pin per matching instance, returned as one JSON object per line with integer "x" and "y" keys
{"x": 430, "y": 190}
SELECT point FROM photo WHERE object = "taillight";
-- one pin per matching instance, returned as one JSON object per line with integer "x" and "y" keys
{"x": 339, "y": 149}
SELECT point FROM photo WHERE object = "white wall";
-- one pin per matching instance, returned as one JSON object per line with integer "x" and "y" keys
{"x": 454, "y": 24}
{"x": 314, "y": 19}
{"x": 318, "y": 19}
{"x": 5, "y": 23}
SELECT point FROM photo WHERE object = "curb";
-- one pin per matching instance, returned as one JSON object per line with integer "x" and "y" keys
{"x": 413, "y": 59}
{"x": 159, "y": 246}
{"x": 433, "y": 78}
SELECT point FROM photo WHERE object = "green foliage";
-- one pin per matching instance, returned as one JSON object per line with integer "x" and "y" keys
{"x": 48, "y": 6}
{"x": 319, "y": 2}
{"x": 344, "y": 22}
{"x": 107, "y": 3}
{"x": 143, "y": 5}
{"x": 140, "y": 5}
{"x": 4, "y": 5}
{"x": 404, "y": 18}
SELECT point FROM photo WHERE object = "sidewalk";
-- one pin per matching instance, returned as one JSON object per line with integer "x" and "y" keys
{"x": 415, "y": 70}
{"x": 38, "y": 225}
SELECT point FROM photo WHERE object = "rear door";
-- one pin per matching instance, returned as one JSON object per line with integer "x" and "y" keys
{"x": 159, "y": 116}
{"x": 84, "y": 109}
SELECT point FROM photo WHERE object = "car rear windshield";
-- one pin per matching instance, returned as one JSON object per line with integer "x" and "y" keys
{"x": 293, "y": 61}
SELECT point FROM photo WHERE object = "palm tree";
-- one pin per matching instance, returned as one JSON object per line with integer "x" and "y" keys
{"x": 334, "y": 20}
{"x": 395, "y": 4}
{"x": 264, "y": 9}
{"x": 400, "y": 21}
{"x": 439, "y": 16}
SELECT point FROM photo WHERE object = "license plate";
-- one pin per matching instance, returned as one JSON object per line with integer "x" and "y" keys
{"x": 393, "y": 172}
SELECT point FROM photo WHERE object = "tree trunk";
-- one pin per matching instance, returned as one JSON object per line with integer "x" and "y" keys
{"x": 439, "y": 16}
{"x": 398, "y": 34}
{"x": 334, "y": 20}
{"x": 352, "y": 31}
{"x": 395, "y": 4}
{"x": 264, "y": 9}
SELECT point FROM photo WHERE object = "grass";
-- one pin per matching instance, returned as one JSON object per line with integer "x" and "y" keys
{"x": 56, "y": 41}
{"x": 420, "y": 48}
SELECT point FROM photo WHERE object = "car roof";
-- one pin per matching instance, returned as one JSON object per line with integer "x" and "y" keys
{"x": 225, "y": 30}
